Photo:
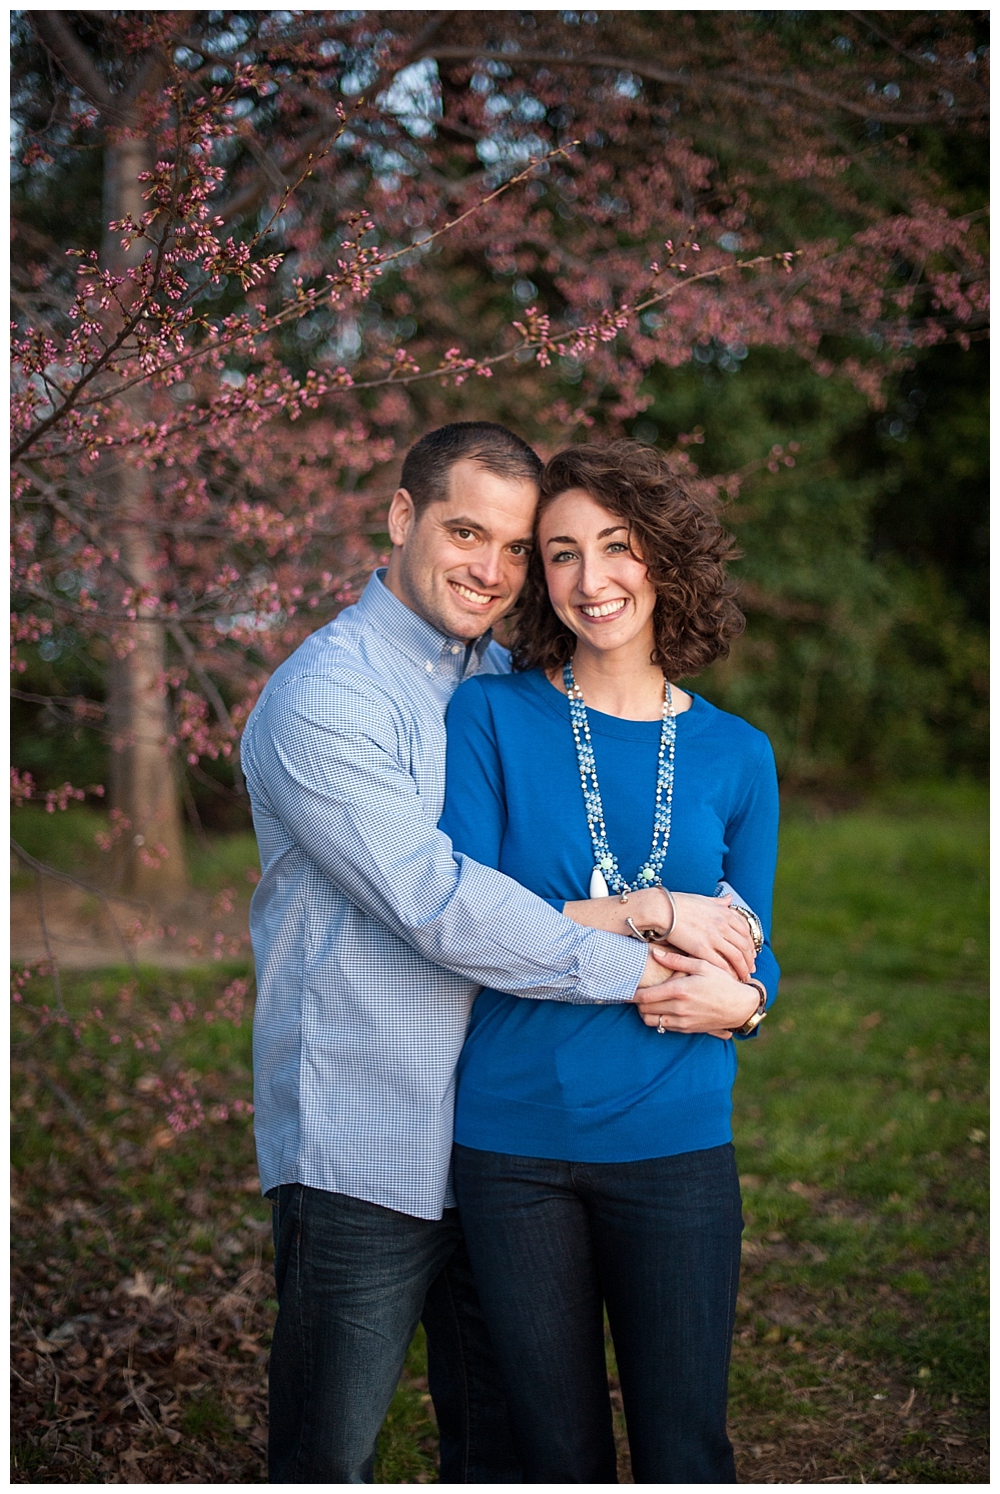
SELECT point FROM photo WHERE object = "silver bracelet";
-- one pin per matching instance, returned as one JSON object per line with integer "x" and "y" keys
{"x": 647, "y": 935}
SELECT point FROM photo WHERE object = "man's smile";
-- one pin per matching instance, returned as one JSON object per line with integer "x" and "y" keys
{"x": 477, "y": 598}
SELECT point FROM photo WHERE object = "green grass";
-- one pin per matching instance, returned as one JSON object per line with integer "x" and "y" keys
{"x": 861, "y": 1122}
{"x": 861, "y": 1126}
{"x": 896, "y": 890}
{"x": 224, "y": 860}
{"x": 65, "y": 840}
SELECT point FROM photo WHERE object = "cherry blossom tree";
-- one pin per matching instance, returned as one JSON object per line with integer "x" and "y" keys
{"x": 322, "y": 232}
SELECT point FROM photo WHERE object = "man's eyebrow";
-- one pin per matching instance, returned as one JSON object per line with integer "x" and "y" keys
{"x": 458, "y": 521}
{"x": 461, "y": 523}
{"x": 567, "y": 539}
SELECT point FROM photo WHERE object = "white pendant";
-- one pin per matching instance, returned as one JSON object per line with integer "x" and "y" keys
{"x": 598, "y": 886}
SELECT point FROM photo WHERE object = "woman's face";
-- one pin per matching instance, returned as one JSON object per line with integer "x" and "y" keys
{"x": 596, "y": 585}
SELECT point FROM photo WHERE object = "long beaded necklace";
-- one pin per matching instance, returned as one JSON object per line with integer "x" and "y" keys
{"x": 606, "y": 876}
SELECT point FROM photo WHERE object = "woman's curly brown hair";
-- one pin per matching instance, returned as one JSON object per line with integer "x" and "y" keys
{"x": 673, "y": 529}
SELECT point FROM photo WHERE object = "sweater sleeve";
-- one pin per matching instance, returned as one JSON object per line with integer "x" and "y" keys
{"x": 475, "y": 803}
{"x": 751, "y": 858}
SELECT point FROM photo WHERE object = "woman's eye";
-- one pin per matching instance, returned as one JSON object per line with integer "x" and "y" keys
{"x": 616, "y": 547}
{"x": 562, "y": 555}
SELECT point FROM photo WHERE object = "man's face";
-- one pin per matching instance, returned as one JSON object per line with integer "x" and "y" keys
{"x": 461, "y": 564}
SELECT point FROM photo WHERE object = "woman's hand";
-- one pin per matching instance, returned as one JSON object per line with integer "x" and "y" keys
{"x": 705, "y": 927}
{"x": 698, "y": 997}
{"x": 709, "y": 929}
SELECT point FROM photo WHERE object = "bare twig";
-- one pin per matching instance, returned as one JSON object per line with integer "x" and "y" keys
{"x": 186, "y": 647}
{"x": 128, "y": 1375}
{"x": 62, "y": 1096}
{"x": 53, "y": 963}
{"x": 727, "y": 81}
{"x": 41, "y": 870}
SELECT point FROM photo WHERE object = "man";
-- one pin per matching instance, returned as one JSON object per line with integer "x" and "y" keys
{"x": 371, "y": 939}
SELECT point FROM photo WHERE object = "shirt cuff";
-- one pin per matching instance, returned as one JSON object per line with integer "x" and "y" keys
{"x": 610, "y": 968}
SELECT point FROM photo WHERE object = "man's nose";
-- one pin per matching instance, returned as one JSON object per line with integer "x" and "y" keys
{"x": 487, "y": 566}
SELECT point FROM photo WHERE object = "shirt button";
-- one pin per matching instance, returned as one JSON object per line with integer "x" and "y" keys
{"x": 456, "y": 648}
{"x": 429, "y": 666}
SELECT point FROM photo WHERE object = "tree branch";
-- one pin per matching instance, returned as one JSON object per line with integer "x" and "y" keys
{"x": 727, "y": 80}
{"x": 186, "y": 647}
{"x": 250, "y": 195}
{"x": 155, "y": 64}
{"x": 41, "y": 870}
{"x": 59, "y": 40}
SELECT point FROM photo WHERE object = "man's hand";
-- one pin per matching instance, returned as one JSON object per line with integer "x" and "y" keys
{"x": 657, "y": 972}
{"x": 696, "y": 997}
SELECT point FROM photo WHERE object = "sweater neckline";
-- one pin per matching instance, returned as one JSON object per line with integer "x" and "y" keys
{"x": 609, "y": 726}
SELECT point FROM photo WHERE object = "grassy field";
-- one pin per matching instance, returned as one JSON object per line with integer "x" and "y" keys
{"x": 141, "y": 1280}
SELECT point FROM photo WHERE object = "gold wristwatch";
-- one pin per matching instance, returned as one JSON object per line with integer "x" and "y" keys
{"x": 755, "y": 1018}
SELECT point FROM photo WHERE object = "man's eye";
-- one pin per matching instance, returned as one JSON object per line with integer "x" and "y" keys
{"x": 464, "y": 534}
{"x": 520, "y": 552}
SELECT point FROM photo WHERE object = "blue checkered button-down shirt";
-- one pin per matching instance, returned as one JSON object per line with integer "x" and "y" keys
{"x": 371, "y": 938}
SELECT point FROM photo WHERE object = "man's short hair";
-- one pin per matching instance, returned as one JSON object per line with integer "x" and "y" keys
{"x": 428, "y": 462}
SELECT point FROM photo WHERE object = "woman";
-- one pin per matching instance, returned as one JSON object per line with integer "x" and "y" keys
{"x": 593, "y": 1162}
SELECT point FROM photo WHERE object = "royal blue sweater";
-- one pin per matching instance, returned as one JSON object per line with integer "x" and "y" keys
{"x": 593, "y": 1083}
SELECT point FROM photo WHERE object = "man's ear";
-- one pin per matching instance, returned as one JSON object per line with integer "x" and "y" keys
{"x": 402, "y": 516}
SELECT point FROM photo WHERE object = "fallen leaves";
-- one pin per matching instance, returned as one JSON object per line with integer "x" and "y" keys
{"x": 142, "y": 1285}
{"x": 149, "y": 1384}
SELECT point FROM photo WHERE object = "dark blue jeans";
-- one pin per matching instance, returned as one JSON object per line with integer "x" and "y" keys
{"x": 353, "y": 1281}
{"x": 658, "y": 1243}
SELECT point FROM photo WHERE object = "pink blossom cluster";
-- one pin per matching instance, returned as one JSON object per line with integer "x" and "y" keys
{"x": 180, "y": 1096}
{"x": 359, "y": 300}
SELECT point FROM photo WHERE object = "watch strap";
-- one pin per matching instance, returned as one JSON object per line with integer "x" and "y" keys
{"x": 756, "y": 1017}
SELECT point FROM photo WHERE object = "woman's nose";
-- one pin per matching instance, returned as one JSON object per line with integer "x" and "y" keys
{"x": 592, "y": 576}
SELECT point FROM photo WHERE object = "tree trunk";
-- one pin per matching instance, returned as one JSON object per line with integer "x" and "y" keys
{"x": 143, "y": 783}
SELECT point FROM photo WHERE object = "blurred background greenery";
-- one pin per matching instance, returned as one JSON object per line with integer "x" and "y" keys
{"x": 865, "y": 569}
{"x": 865, "y": 657}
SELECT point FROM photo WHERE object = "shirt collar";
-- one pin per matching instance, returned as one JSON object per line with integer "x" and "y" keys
{"x": 410, "y": 633}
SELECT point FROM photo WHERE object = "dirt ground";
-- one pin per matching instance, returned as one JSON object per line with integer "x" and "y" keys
{"x": 86, "y": 933}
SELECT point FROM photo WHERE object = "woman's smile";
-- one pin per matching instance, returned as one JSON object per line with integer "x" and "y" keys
{"x": 603, "y": 611}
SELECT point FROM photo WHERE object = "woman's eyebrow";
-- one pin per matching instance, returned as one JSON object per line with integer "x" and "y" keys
{"x": 567, "y": 539}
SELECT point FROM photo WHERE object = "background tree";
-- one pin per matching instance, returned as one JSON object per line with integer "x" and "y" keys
{"x": 324, "y": 261}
